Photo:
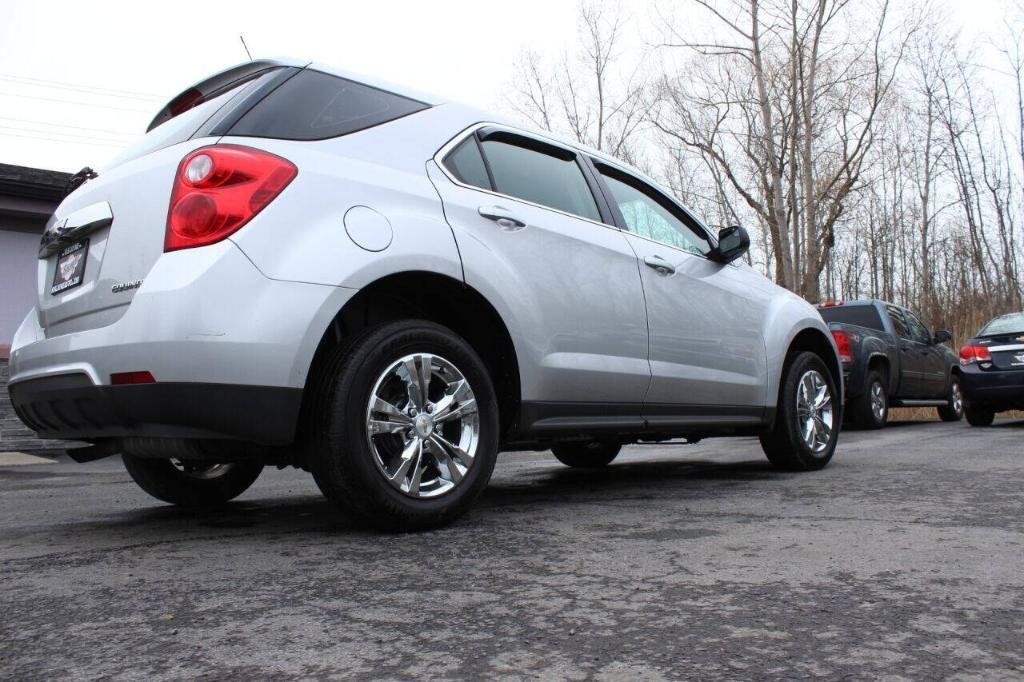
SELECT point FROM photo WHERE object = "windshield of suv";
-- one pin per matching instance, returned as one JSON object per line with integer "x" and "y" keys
{"x": 1007, "y": 324}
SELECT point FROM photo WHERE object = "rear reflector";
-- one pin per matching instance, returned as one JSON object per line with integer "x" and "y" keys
{"x": 122, "y": 378}
{"x": 845, "y": 346}
{"x": 972, "y": 354}
{"x": 219, "y": 189}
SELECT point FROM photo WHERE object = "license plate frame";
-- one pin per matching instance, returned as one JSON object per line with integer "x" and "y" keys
{"x": 70, "y": 268}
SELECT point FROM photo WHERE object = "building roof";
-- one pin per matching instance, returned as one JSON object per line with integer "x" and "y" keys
{"x": 33, "y": 183}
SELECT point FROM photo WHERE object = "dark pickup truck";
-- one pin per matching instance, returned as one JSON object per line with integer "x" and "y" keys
{"x": 890, "y": 359}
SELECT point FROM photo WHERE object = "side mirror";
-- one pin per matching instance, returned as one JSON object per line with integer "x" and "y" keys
{"x": 733, "y": 242}
{"x": 941, "y": 336}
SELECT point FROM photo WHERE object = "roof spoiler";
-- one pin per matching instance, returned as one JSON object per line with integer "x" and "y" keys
{"x": 210, "y": 87}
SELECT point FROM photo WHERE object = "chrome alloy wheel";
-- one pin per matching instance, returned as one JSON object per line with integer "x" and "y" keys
{"x": 814, "y": 411}
{"x": 878, "y": 405}
{"x": 422, "y": 425}
{"x": 957, "y": 398}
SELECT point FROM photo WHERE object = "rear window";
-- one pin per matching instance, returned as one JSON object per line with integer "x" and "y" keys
{"x": 315, "y": 106}
{"x": 1007, "y": 324}
{"x": 860, "y": 315}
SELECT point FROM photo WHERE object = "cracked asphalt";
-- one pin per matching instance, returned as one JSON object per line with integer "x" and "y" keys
{"x": 901, "y": 560}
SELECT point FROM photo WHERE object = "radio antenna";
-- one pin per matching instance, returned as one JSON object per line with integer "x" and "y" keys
{"x": 247, "y": 53}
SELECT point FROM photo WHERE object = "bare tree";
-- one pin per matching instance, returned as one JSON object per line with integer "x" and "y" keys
{"x": 590, "y": 96}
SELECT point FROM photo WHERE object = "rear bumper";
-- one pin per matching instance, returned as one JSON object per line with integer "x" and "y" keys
{"x": 71, "y": 406}
{"x": 994, "y": 390}
{"x": 229, "y": 349}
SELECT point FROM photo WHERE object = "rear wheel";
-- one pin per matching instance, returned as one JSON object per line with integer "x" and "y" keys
{"x": 807, "y": 419}
{"x": 191, "y": 483}
{"x": 870, "y": 410}
{"x": 586, "y": 455}
{"x": 405, "y": 426}
{"x": 953, "y": 411}
{"x": 979, "y": 416}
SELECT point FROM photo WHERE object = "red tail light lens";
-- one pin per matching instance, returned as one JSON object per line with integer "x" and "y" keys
{"x": 123, "y": 378}
{"x": 844, "y": 343}
{"x": 219, "y": 189}
{"x": 972, "y": 354}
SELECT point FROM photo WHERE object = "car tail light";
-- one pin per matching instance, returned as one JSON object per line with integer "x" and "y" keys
{"x": 844, "y": 342}
{"x": 123, "y": 378}
{"x": 219, "y": 189}
{"x": 831, "y": 304}
{"x": 972, "y": 354}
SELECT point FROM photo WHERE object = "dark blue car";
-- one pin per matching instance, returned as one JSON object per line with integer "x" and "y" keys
{"x": 992, "y": 369}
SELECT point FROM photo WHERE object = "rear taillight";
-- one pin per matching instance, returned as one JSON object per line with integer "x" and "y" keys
{"x": 844, "y": 342}
{"x": 219, "y": 189}
{"x": 972, "y": 354}
{"x": 125, "y": 378}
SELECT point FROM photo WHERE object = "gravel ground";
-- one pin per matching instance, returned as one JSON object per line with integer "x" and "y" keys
{"x": 901, "y": 560}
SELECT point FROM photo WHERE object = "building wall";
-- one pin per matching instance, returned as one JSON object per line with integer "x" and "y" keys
{"x": 18, "y": 267}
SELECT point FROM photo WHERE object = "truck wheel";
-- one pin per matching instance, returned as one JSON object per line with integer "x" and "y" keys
{"x": 870, "y": 410}
{"x": 807, "y": 419}
{"x": 978, "y": 416}
{"x": 189, "y": 483}
{"x": 405, "y": 426}
{"x": 586, "y": 455}
{"x": 954, "y": 410}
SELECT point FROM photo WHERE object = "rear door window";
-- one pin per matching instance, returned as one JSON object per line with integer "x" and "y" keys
{"x": 540, "y": 177}
{"x": 315, "y": 106}
{"x": 896, "y": 315}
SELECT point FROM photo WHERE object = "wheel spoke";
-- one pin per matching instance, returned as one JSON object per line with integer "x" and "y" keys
{"x": 381, "y": 406}
{"x": 442, "y": 443}
{"x": 463, "y": 410}
{"x": 417, "y": 472}
{"x": 448, "y": 466}
{"x": 376, "y": 427}
{"x": 414, "y": 382}
{"x": 410, "y": 455}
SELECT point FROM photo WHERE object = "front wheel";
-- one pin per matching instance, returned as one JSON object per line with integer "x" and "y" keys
{"x": 190, "y": 483}
{"x": 593, "y": 455}
{"x": 807, "y": 419}
{"x": 953, "y": 411}
{"x": 405, "y": 426}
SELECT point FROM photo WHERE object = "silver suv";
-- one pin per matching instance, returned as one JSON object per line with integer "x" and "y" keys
{"x": 299, "y": 267}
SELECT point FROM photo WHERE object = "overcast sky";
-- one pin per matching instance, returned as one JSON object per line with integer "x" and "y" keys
{"x": 80, "y": 80}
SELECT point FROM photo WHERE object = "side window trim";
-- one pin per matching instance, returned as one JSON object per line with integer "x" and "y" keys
{"x": 672, "y": 207}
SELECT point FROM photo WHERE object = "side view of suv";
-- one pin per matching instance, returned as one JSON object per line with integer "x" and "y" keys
{"x": 299, "y": 267}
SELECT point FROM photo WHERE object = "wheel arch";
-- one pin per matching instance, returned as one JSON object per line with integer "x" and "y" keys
{"x": 437, "y": 298}
{"x": 816, "y": 341}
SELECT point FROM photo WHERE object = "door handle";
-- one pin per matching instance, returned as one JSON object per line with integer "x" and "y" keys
{"x": 662, "y": 266}
{"x": 502, "y": 216}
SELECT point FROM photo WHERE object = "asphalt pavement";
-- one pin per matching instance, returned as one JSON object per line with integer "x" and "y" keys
{"x": 901, "y": 560}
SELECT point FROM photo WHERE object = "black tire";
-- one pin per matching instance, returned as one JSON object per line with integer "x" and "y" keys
{"x": 979, "y": 416}
{"x": 593, "y": 455}
{"x": 861, "y": 409}
{"x": 192, "y": 483}
{"x": 344, "y": 465}
{"x": 784, "y": 444}
{"x": 953, "y": 411}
